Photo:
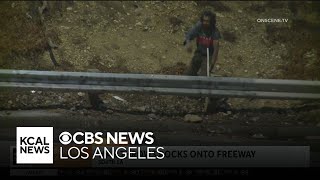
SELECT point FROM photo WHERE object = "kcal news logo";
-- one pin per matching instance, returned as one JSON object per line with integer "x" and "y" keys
{"x": 34, "y": 145}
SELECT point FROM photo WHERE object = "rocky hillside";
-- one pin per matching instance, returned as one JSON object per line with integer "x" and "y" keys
{"x": 147, "y": 36}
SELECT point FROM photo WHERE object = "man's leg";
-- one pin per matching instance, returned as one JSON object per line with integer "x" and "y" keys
{"x": 210, "y": 103}
{"x": 203, "y": 67}
{"x": 214, "y": 104}
{"x": 194, "y": 65}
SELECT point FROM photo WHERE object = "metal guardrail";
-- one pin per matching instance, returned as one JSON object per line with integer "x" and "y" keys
{"x": 161, "y": 84}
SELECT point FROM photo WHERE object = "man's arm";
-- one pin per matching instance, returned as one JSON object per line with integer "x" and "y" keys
{"x": 215, "y": 54}
{"x": 191, "y": 34}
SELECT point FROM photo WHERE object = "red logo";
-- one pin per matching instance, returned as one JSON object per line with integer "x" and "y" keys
{"x": 205, "y": 41}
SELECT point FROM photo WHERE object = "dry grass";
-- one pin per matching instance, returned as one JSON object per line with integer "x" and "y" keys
{"x": 217, "y": 5}
{"x": 19, "y": 34}
{"x": 301, "y": 39}
{"x": 229, "y": 36}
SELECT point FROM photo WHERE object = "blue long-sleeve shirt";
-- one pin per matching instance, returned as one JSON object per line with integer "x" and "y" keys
{"x": 203, "y": 38}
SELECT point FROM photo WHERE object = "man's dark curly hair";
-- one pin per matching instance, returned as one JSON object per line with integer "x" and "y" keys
{"x": 212, "y": 17}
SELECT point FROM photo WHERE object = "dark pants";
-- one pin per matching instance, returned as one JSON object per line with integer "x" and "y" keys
{"x": 198, "y": 62}
{"x": 198, "y": 66}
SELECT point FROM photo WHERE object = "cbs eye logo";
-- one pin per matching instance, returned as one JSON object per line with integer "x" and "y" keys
{"x": 65, "y": 138}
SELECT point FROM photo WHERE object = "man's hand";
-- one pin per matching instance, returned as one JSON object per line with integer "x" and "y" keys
{"x": 215, "y": 54}
{"x": 212, "y": 66}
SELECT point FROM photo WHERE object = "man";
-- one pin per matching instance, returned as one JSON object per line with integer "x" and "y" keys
{"x": 207, "y": 36}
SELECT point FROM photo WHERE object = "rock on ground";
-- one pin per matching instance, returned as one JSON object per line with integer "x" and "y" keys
{"x": 193, "y": 118}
